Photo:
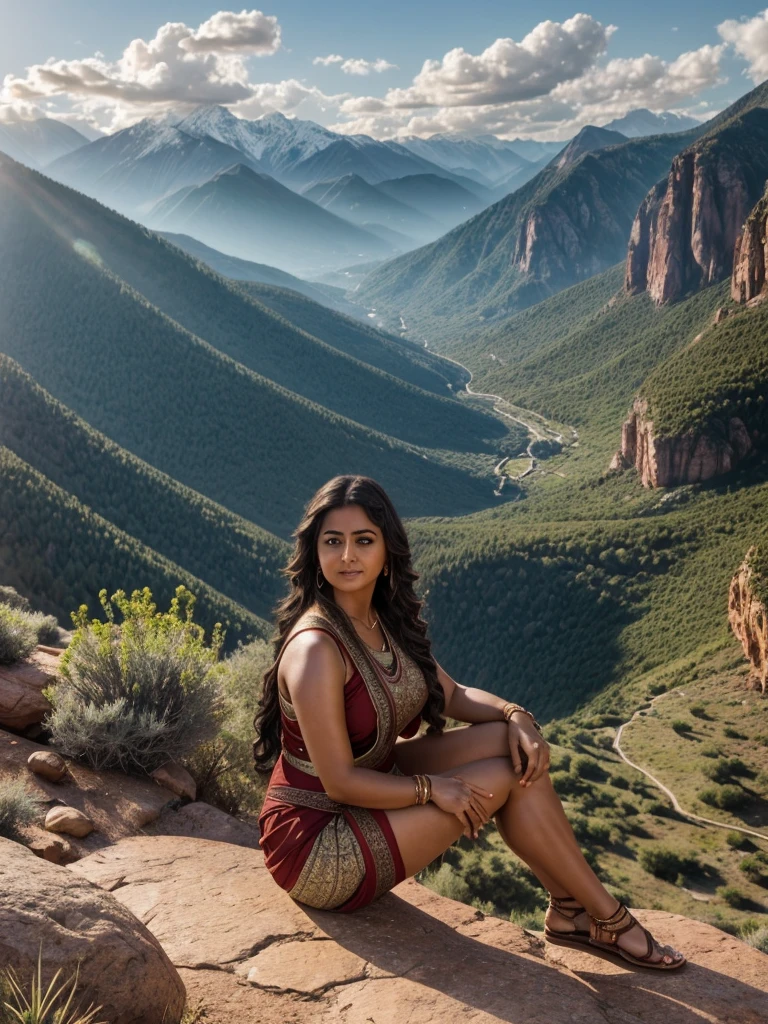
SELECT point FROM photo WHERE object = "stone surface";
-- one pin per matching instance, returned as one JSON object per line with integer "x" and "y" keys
{"x": 117, "y": 804}
{"x": 176, "y": 778}
{"x": 748, "y": 281}
{"x": 748, "y": 620}
{"x": 123, "y": 967}
{"x": 689, "y": 458}
{"x": 22, "y": 703}
{"x": 51, "y": 848}
{"x": 685, "y": 232}
{"x": 68, "y": 820}
{"x": 47, "y": 763}
{"x": 251, "y": 954}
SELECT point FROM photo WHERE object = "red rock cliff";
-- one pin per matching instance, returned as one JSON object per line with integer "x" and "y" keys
{"x": 751, "y": 256}
{"x": 690, "y": 458}
{"x": 685, "y": 231}
{"x": 748, "y": 620}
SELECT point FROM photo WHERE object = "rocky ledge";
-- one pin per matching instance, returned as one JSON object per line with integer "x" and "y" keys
{"x": 691, "y": 457}
{"x": 749, "y": 621}
{"x": 751, "y": 256}
{"x": 685, "y": 231}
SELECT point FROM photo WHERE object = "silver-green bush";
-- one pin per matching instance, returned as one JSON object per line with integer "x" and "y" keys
{"x": 18, "y": 636}
{"x": 136, "y": 695}
{"x": 17, "y": 807}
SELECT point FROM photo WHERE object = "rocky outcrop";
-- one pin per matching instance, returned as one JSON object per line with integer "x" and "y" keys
{"x": 22, "y": 704}
{"x": 748, "y": 619}
{"x": 751, "y": 256}
{"x": 251, "y": 954}
{"x": 685, "y": 232}
{"x": 689, "y": 458}
{"x": 123, "y": 968}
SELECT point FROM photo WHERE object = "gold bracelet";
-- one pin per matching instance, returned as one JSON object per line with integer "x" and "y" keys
{"x": 423, "y": 789}
{"x": 510, "y": 708}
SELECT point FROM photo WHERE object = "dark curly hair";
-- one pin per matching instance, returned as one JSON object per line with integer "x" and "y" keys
{"x": 395, "y": 603}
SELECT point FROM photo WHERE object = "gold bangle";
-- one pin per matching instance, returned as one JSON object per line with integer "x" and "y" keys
{"x": 510, "y": 708}
{"x": 428, "y": 783}
{"x": 416, "y": 784}
{"x": 423, "y": 789}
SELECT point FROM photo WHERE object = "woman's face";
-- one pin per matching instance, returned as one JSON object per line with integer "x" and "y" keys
{"x": 350, "y": 549}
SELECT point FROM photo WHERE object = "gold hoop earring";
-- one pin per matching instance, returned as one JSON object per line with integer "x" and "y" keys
{"x": 319, "y": 579}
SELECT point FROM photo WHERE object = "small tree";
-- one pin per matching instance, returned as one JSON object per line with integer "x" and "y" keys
{"x": 18, "y": 636}
{"x": 136, "y": 695}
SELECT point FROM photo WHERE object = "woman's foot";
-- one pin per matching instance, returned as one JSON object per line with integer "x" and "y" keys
{"x": 566, "y": 916}
{"x": 622, "y": 935}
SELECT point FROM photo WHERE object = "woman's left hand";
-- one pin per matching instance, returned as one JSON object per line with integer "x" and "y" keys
{"x": 523, "y": 736}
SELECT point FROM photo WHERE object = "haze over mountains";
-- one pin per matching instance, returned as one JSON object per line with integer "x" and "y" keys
{"x": 178, "y": 174}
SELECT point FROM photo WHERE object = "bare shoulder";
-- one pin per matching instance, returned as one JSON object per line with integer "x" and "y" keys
{"x": 312, "y": 655}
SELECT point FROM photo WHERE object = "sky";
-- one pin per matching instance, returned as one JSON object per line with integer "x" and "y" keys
{"x": 387, "y": 70}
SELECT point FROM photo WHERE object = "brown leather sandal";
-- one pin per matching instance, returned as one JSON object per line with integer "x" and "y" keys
{"x": 577, "y": 938}
{"x": 604, "y": 934}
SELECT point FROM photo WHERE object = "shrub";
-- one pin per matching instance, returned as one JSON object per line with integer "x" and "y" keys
{"x": 733, "y": 734}
{"x": 18, "y": 637}
{"x": 139, "y": 694}
{"x": 699, "y": 711}
{"x": 739, "y": 841}
{"x": 725, "y": 769}
{"x": 446, "y": 881}
{"x": 565, "y": 784}
{"x": 11, "y": 597}
{"x": 588, "y": 768}
{"x": 618, "y": 782}
{"x": 710, "y": 751}
{"x": 628, "y": 808}
{"x": 755, "y": 867}
{"x": 732, "y": 896}
{"x": 681, "y": 727}
{"x": 18, "y": 807}
{"x": 728, "y": 798}
{"x": 46, "y": 627}
{"x": 49, "y": 1006}
{"x": 665, "y": 863}
{"x": 657, "y": 688}
{"x": 560, "y": 763}
{"x": 758, "y": 939}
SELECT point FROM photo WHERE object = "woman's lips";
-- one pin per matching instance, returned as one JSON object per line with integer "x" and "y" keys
{"x": 350, "y": 572}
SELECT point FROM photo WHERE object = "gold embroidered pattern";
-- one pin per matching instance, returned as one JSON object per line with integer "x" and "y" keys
{"x": 379, "y": 847}
{"x": 305, "y": 798}
{"x": 334, "y": 869}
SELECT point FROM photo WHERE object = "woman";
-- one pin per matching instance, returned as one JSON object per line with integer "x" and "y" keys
{"x": 357, "y": 801}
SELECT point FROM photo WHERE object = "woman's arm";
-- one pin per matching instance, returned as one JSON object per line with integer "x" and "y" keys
{"x": 469, "y": 704}
{"x": 314, "y": 673}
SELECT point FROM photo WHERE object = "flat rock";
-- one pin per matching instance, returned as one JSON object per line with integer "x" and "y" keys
{"x": 203, "y": 821}
{"x": 176, "y": 778}
{"x": 68, "y": 820}
{"x": 124, "y": 968}
{"x": 52, "y": 848}
{"x": 118, "y": 805}
{"x": 250, "y": 953}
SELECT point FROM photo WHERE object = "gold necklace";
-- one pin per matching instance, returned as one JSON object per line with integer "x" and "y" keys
{"x": 384, "y": 645}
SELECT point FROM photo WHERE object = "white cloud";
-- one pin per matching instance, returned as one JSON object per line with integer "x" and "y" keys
{"x": 595, "y": 96}
{"x": 180, "y": 66}
{"x": 249, "y": 32}
{"x": 749, "y": 38}
{"x": 355, "y": 65}
{"x": 289, "y": 97}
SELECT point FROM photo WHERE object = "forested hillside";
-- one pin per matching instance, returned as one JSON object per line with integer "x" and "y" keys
{"x": 60, "y": 552}
{"x": 196, "y": 408}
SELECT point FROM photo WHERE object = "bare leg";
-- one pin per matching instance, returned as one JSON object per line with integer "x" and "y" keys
{"x": 530, "y": 819}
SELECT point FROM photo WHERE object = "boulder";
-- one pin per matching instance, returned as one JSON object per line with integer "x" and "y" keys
{"x": 68, "y": 820}
{"x": 177, "y": 779}
{"x": 47, "y": 763}
{"x": 52, "y": 848}
{"x": 251, "y": 954}
{"x": 22, "y": 703}
{"x": 124, "y": 968}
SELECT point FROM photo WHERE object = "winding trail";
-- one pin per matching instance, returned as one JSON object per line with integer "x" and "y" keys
{"x": 668, "y": 792}
{"x": 554, "y": 435}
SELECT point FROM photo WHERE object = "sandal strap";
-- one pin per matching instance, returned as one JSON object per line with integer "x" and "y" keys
{"x": 612, "y": 927}
{"x": 558, "y": 903}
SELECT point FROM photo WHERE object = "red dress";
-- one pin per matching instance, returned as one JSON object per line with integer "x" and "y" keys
{"x": 330, "y": 855}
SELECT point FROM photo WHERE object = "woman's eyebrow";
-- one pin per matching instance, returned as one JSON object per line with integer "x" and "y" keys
{"x": 341, "y": 534}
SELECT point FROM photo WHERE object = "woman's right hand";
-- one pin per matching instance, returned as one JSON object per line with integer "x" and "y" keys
{"x": 454, "y": 794}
